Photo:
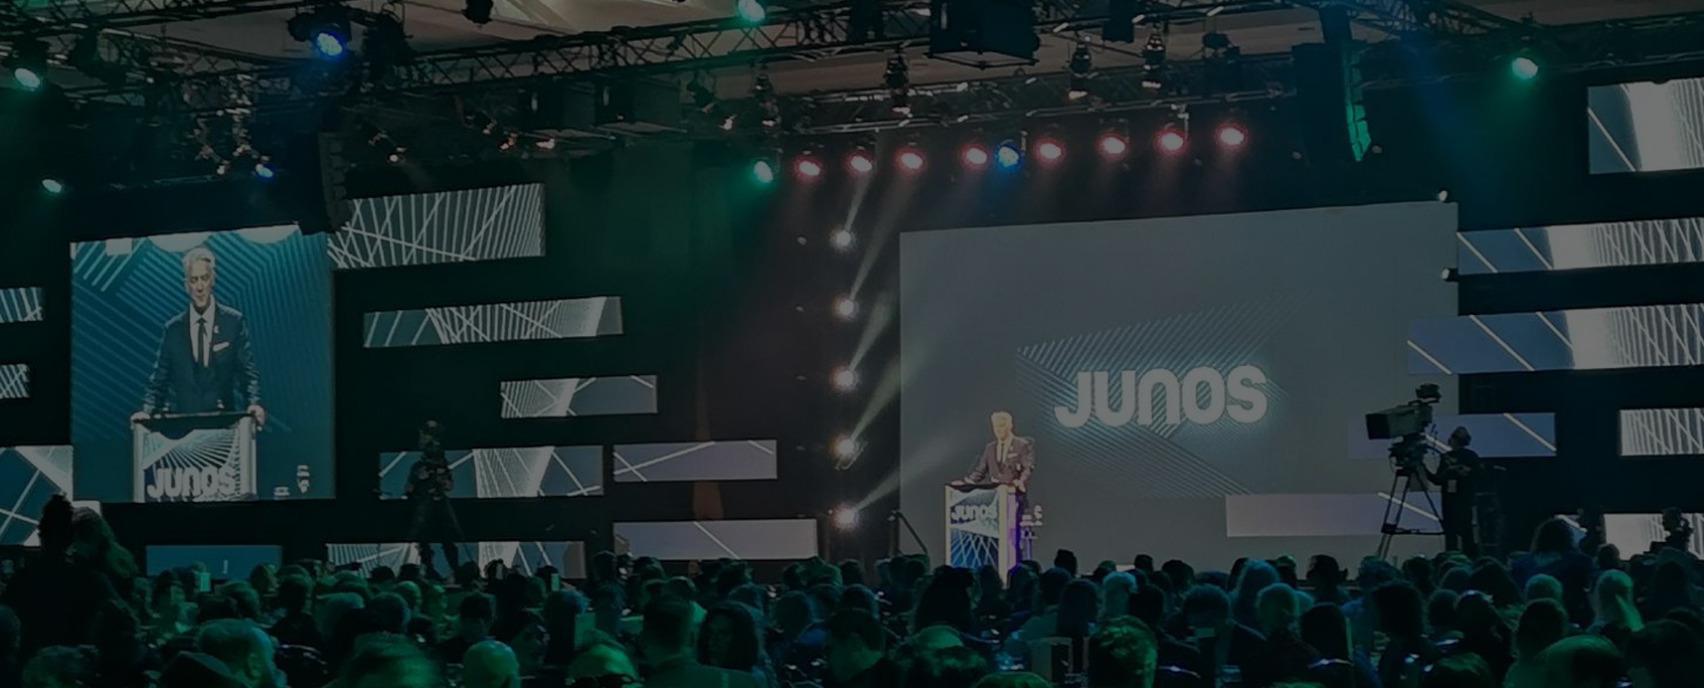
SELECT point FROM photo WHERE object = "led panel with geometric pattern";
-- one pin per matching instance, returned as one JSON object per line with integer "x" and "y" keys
{"x": 20, "y": 304}
{"x": 1574, "y": 247}
{"x": 445, "y": 227}
{"x": 494, "y": 322}
{"x": 505, "y": 472}
{"x": 28, "y": 477}
{"x": 1662, "y": 432}
{"x": 527, "y": 557}
{"x": 14, "y": 381}
{"x": 751, "y": 540}
{"x": 583, "y": 396}
{"x": 679, "y": 461}
{"x": 1584, "y": 339}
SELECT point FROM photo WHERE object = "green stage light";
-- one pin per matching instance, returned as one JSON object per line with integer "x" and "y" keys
{"x": 1524, "y": 68}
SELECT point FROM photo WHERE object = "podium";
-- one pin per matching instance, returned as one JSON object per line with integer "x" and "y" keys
{"x": 194, "y": 457}
{"x": 983, "y": 527}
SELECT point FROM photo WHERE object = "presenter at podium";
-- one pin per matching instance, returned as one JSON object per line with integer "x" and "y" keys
{"x": 1008, "y": 460}
{"x": 205, "y": 363}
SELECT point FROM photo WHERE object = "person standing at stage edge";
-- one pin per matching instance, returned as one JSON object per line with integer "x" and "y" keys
{"x": 429, "y": 485}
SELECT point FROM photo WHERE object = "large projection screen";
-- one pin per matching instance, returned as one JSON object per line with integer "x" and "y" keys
{"x": 265, "y": 341}
{"x": 1286, "y": 326}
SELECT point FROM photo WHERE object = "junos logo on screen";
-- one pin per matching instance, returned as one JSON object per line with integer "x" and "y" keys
{"x": 1233, "y": 393}
{"x": 972, "y": 513}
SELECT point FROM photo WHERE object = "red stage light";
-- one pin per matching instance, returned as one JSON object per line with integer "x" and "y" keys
{"x": 807, "y": 167}
{"x": 975, "y": 155}
{"x": 911, "y": 159}
{"x": 1049, "y": 150}
{"x": 860, "y": 162}
{"x": 1232, "y": 135}
{"x": 1171, "y": 140}
{"x": 1113, "y": 145}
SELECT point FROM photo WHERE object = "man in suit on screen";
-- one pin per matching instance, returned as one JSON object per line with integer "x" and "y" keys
{"x": 1008, "y": 460}
{"x": 205, "y": 362}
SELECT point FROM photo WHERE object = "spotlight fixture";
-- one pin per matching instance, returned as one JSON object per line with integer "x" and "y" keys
{"x": 1112, "y": 145}
{"x": 384, "y": 145}
{"x": 1524, "y": 67}
{"x": 28, "y": 63}
{"x": 478, "y": 11}
{"x": 807, "y": 167}
{"x": 763, "y": 171}
{"x": 897, "y": 79}
{"x": 1082, "y": 67}
{"x": 842, "y": 239}
{"x": 1049, "y": 150}
{"x": 1171, "y": 139}
{"x": 845, "y": 308}
{"x": 844, "y": 379}
{"x": 325, "y": 30}
{"x": 846, "y": 517}
{"x": 975, "y": 155}
{"x": 1154, "y": 61}
{"x": 860, "y": 161}
{"x": 52, "y": 185}
{"x": 1232, "y": 135}
{"x": 911, "y": 159}
{"x": 751, "y": 11}
{"x": 845, "y": 448}
{"x": 1009, "y": 154}
{"x": 263, "y": 170}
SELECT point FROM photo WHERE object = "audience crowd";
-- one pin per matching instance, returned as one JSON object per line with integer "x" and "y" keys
{"x": 79, "y": 614}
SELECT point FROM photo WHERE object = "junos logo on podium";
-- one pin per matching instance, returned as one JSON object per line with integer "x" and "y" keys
{"x": 972, "y": 513}
{"x": 1235, "y": 394}
{"x": 207, "y": 483}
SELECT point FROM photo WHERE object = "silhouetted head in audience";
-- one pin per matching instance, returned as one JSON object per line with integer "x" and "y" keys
{"x": 388, "y": 613}
{"x": 1207, "y": 607}
{"x": 793, "y": 613}
{"x": 474, "y": 617}
{"x": 1492, "y": 578}
{"x": 1256, "y": 575}
{"x": 1543, "y": 587}
{"x": 1401, "y": 613}
{"x": 1608, "y": 557}
{"x": 856, "y": 642}
{"x": 1582, "y": 661}
{"x": 245, "y": 648}
{"x": 1665, "y": 654}
{"x": 1278, "y": 608}
{"x": 1052, "y": 586}
{"x": 1554, "y": 536}
{"x": 946, "y": 600}
{"x": 859, "y": 598}
{"x": 1066, "y": 559}
{"x": 387, "y": 661}
{"x": 1542, "y": 623}
{"x": 730, "y": 638}
{"x": 1122, "y": 654}
{"x": 602, "y": 659}
{"x": 490, "y": 664}
{"x": 952, "y": 667}
{"x": 1079, "y": 609}
{"x": 1021, "y": 588}
{"x": 668, "y": 634}
{"x": 1325, "y": 629}
{"x": 1441, "y": 612}
{"x": 1465, "y": 670}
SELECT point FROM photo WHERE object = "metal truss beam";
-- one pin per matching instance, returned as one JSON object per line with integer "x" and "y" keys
{"x": 40, "y": 18}
{"x": 810, "y": 34}
{"x": 1410, "y": 18}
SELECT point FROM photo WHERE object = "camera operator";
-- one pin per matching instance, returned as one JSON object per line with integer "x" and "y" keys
{"x": 1456, "y": 477}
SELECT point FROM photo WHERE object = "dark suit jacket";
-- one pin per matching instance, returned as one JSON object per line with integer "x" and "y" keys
{"x": 689, "y": 674}
{"x": 180, "y": 385}
{"x": 1019, "y": 463}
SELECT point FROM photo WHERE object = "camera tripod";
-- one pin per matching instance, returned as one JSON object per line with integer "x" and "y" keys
{"x": 1402, "y": 483}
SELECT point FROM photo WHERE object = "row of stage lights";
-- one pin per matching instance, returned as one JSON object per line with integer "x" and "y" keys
{"x": 1171, "y": 140}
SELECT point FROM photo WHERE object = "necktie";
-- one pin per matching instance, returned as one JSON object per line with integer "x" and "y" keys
{"x": 201, "y": 341}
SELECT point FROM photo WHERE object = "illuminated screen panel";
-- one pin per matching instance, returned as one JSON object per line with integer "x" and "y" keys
{"x": 20, "y": 304}
{"x": 494, "y": 322}
{"x": 1662, "y": 432}
{"x": 445, "y": 227}
{"x": 1574, "y": 247}
{"x": 197, "y": 330}
{"x": 1325, "y": 515}
{"x": 568, "y": 557}
{"x": 1160, "y": 371}
{"x": 1584, "y": 339}
{"x": 225, "y": 562}
{"x": 584, "y": 396}
{"x": 754, "y": 540}
{"x": 507, "y": 472}
{"x": 1635, "y": 533}
{"x": 1646, "y": 126}
{"x": 676, "y": 461}
{"x": 29, "y": 476}
{"x": 14, "y": 381}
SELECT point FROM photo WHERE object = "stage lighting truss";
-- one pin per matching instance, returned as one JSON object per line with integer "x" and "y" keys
{"x": 1082, "y": 69}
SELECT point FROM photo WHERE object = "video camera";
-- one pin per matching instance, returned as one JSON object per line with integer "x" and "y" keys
{"x": 1407, "y": 425}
